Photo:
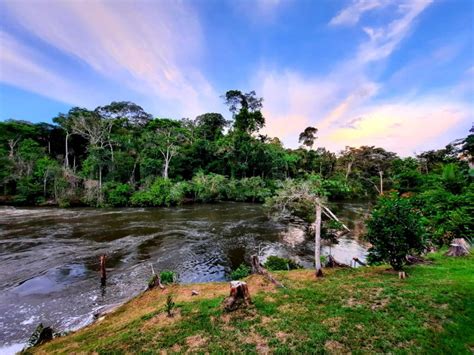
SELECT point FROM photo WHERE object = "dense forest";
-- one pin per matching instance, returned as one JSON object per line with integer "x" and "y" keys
{"x": 119, "y": 155}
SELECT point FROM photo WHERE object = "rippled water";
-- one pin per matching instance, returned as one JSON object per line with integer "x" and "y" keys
{"x": 49, "y": 257}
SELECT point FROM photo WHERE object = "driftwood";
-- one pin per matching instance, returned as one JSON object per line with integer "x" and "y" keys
{"x": 257, "y": 268}
{"x": 103, "y": 273}
{"x": 239, "y": 296}
{"x": 40, "y": 335}
{"x": 357, "y": 261}
{"x": 331, "y": 262}
{"x": 155, "y": 280}
{"x": 459, "y": 247}
{"x": 413, "y": 259}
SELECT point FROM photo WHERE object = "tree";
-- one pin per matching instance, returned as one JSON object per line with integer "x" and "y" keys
{"x": 303, "y": 199}
{"x": 166, "y": 135}
{"x": 210, "y": 126}
{"x": 134, "y": 114}
{"x": 395, "y": 230}
{"x": 308, "y": 136}
{"x": 246, "y": 110}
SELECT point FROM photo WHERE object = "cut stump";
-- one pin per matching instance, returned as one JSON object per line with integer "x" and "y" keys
{"x": 239, "y": 296}
{"x": 459, "y": 247}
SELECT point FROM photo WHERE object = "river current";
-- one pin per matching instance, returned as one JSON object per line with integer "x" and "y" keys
{"x": 49, "y": 257}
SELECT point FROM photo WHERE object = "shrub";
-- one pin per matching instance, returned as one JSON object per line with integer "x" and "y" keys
{"x": 117, "y": 194}
{"x": 241, "y": 272}
{"x": 168, "y": 277}
{"x": 209, "y": 188}
{"x": 161, "y": 193}
{"x": 395, "y": 230}
{"x": 276, "y": 263}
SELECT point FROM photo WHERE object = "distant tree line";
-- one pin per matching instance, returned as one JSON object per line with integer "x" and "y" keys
{"x": 120, "y": 155}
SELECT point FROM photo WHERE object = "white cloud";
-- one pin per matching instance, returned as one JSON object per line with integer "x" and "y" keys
{"x": 152, "y": 47}
{"x": 341, "y": 103}
{"x": 351, "y": 15}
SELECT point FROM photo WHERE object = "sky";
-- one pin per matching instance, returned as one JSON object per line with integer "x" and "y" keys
{"x": 392, "y": 73}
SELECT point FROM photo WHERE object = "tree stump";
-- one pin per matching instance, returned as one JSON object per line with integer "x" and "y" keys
{"x": 459, "y": 247}
{"x": 239, "y": 296}
{"x": 402, "y": 275}
{"x": 103, "y": 273}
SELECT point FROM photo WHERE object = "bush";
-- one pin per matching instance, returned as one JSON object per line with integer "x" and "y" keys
{"x": 168, "y": 277}
{"x": 161, "y": 193}
{"x": 241, "y": 272}
{"x": 117, "y": 194}
{"x": 275, "y": 263}
{"x": 253, "y": 189}
{"x": 209, "y": 188}
{"x": 395, "y": 230}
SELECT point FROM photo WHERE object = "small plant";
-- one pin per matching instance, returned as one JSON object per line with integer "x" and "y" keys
{"x": 275, "y": 263}
{"x": 241, "y": 272}
{"x": 170, "y": 305}
{"x": 168, "y": 277}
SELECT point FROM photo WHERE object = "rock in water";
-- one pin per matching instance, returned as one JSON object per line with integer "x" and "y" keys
{"x": 41, "y": 335}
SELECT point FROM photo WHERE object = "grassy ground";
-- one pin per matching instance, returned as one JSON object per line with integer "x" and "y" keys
{"x": 365, "y": 310}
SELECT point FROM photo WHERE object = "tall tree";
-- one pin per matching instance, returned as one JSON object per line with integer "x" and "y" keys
{"x": 166, "y": 135}
{"x": 134, "y": 114}
{"x": 246, "y": 110}
{"x": 308, "y": 136}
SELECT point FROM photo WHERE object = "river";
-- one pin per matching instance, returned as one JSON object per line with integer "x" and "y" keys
{"x": 49, "y": 256}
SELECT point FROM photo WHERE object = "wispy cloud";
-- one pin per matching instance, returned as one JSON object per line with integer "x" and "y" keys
{"x": 342, "y": 102}
{"x": 351, "y": 15}
{"x": 153, "y": 48}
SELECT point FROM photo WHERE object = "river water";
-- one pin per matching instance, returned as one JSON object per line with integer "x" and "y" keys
{"x": 49, "y": 257}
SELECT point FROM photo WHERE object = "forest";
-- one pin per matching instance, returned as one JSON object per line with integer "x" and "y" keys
{"x": 119, "y": 155}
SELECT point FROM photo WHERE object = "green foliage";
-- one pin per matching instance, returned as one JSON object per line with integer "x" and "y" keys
{"x": 275, "y": 263}
{"x": 395, "y": 230}
{"x": 447, "y": 215}
{"x": 168, "y": 277}
{"x": 117, "y": 194}
{"x": 209, "y": 188}
{"x": 241, "y": 272}
{"x": 160, "y": 193}
{"x": 169, "y": 305}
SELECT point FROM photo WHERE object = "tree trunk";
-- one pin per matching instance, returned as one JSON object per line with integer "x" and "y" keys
{"x": 260, "y": 270}
{"x": 103, "y": 274}
{"x": 239, "y": 296}
{"x": 317, "y": 240}
{"x": 381, "y": 182}
{"x": 66, "y": 157}
{"x": 348, "y": 170}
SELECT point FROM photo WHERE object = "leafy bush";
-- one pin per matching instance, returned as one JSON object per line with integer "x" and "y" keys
{"x": 117, "y": 194}
{"x": 209, "y": 188}
{"x": 395, "y": 230}
{"x": 160, "y": 193}
{"x": 253, "y": 189}
{"x": 241, "y": 272}
{"x": 168, "y": 277}
{"x": 276, "y": 263}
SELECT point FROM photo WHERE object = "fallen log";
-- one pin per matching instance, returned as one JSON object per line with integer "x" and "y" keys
{"x": 331, "y": 262}
{"x": 41, "y": 335}
{"x": 239, "y": 296}
{"x": 358, "y": 261}
{"x": 413, "y": 260}
{"x": 459, "y": 247}
{"x": 257, "y": 268}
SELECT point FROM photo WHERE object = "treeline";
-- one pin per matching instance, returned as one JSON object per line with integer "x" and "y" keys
{"x": 119, "y": 155}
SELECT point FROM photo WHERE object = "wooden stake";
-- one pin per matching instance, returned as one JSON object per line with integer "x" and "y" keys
{"x": 402, "y": 275}
{"x": 103, "y": 273}
{"x": 317, "y": 240}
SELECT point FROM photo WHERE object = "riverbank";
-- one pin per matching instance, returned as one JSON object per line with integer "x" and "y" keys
{"x": 366, "y": 309}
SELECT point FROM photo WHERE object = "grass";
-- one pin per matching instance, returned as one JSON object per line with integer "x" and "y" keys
{"x": 365, "y": 310}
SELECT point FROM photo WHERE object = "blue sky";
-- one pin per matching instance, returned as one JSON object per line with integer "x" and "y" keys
{"x": 392, "y": 73}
